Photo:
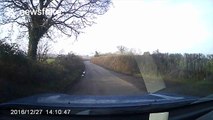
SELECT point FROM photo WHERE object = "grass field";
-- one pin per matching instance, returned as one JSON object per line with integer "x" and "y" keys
{"x": 50, "y": 60}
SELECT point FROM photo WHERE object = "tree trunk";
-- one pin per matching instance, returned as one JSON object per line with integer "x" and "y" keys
{"x": 36, "y": 30}
{"x": 35, "y": 34}
{"x": 32, "y": 47}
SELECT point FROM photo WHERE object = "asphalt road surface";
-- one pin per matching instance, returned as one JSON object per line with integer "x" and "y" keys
{"x": 100, "y": 81}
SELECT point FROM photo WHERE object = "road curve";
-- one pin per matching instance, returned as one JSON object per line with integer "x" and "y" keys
{"x": 100, "y": 81}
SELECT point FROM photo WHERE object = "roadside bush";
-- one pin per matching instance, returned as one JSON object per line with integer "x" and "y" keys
{"x": 175, "y": 66}
{"x": 13, "y": 62}
{"x": 69, "y": 63}
{"x": 120, "y": 63}
{"x": 11, "y": 52}
{"x": 19, "y": 76}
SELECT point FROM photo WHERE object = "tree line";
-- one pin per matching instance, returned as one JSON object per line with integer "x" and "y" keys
{"x": 197, "y": 66}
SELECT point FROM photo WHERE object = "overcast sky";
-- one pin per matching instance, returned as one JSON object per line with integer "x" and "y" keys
{"x": 174, "y": 26}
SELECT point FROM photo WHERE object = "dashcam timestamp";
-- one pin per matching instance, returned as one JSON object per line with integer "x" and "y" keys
{"x": 40, "y": 111}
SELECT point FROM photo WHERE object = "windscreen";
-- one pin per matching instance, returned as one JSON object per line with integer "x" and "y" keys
{"x": 105, "y": 47}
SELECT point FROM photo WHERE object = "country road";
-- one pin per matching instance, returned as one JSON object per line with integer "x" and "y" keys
{"x": 100, "y": 81}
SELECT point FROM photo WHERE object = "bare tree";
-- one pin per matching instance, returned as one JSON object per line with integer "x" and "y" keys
{"x": 97, "y": 54}
{"x": 122, "y": 49}
{"x": 40, "y": 18}
{"x": 42, "y": 51}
